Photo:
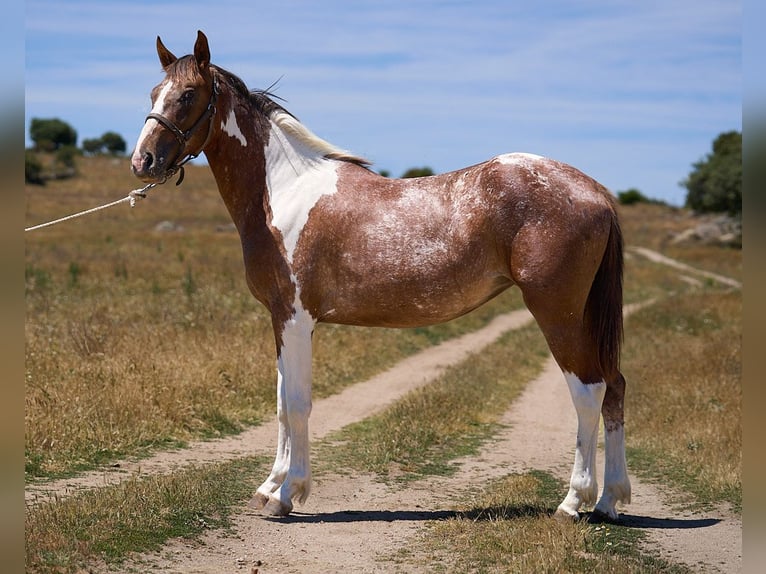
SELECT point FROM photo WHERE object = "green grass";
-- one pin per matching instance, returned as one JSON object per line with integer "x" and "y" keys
{"x": 140, "y": 514}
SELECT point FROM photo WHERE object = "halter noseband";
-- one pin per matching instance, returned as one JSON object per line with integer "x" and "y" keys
{"x": 184, "y": 137}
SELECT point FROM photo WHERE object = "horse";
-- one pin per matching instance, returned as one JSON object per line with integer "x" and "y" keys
{"x": 327, "y": 240}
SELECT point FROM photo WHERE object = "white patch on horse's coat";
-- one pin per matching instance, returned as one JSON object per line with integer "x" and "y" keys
{"x": 297, "y": 177}
{"x": 157, "y": 108}
{"x": 518, "y": 158}
{"x": 230, "y": 126}
{"x": 583, "y": 485}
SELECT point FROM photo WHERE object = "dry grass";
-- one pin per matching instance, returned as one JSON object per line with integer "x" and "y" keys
{"x": 654, "y": 226}
{"x": 508, "y": 528}
{"x": 682, "y": 361}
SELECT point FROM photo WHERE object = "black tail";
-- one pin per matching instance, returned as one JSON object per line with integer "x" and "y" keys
{"x": 603, "y": 309}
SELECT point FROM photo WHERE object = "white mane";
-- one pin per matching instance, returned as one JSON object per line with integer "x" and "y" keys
{"x": 295, "y": 129}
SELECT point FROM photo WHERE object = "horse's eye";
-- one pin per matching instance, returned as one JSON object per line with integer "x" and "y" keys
{"x": 187, "y": 97}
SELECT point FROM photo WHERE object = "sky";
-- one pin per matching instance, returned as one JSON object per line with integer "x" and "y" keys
{"x": 632, "y": 93}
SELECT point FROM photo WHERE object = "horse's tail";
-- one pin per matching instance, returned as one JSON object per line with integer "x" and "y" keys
{"x": 603, "y": 309}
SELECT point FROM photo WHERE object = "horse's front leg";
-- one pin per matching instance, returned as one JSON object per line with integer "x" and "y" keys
{"x": 282, "y": 459}
{"x": 291, "y": 476}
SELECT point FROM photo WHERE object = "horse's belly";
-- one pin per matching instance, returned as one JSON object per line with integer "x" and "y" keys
{"x": 397, "y": 305}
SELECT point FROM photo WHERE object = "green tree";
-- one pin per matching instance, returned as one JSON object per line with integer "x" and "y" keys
{"x": 418, "y": 172}
{"x": 631, "y": 196}
{"x": 92, "y": 146}
{"x": 114, "y": 143}
{"x": 715, "y": 183}
{"x": 51, "y": 134}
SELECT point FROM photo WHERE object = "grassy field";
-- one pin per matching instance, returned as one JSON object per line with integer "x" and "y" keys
{"x": 139, "y": 339}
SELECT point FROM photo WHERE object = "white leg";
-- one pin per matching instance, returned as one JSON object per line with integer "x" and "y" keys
{"x": 583, "y": 486}
{"x": 282, "y": 459}
{"x": 294, "y": 365}
{"x": 616, "y": 481}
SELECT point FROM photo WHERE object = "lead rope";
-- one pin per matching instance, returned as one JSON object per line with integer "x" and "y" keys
{"x": 132, "y": 198}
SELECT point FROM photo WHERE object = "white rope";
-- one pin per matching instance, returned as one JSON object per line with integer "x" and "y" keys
{"x": 132, "y": 197}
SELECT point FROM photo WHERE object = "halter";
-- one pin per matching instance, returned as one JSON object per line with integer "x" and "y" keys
{"x": 184, "y": 137}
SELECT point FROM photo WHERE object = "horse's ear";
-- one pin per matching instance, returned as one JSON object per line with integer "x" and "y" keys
{"x": 166, "y": 56}
{"x": 201, "y": 51}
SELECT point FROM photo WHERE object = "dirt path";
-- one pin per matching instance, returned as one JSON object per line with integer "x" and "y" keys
{"x": 354, "y": 524}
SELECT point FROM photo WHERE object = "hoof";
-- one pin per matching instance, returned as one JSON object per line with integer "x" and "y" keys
{"x": 258, "y": 501}
{"x": 564, "y": 516}
{"x": 275, "y": 507}
{"x": 599, "y": 517}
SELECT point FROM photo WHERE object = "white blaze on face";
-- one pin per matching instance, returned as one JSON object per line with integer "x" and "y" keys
{"x": 157, "y": 108}
{"x": 230, "y": 126}
{"x": 296, "y": 178}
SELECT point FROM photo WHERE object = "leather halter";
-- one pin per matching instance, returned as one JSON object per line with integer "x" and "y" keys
{"x": 184, "y": 137}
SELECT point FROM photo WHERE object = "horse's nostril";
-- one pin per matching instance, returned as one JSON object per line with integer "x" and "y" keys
{"x": 148, "y": 160}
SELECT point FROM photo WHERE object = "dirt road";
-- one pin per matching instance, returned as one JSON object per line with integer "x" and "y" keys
{"x": 355, "y": 524}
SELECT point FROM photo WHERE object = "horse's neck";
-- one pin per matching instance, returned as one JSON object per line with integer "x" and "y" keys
{"x": 236, "y": 157}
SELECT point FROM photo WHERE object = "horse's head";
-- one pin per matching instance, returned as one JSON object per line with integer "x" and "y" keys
{"x": 181, "y": 121}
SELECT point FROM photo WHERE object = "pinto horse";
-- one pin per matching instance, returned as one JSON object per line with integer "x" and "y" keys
{"x": 325, "y": 239}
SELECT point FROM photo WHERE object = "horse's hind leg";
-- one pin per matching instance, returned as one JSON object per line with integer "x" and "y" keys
{"x": 574, "y": 352}
{"x": 616, "y": 482}
{"x": 592, "y": 396}
{"x": 583, "y": 483}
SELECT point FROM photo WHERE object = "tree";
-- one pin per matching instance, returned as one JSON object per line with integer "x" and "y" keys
{"x": 631, "y": 196}
{"x": 51, "y": 134}
{"x": 715, "y": 183}
{"x": 418, "y": 172}
{"x": 113, "y": 143}
{"x": 110, "y": 142}
{"x": 92, "y": 146}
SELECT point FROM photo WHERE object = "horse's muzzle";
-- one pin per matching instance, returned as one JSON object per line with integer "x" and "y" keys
{"x": 146, "y": 167}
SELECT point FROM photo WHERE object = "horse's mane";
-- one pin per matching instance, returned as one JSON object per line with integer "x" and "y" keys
{"x": 264, "y": 102}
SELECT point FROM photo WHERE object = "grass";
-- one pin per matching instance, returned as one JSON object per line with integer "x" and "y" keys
{"x": 137, "y": 515}
{"x": 682, "y": 361}
{"x": 508, "y": 528}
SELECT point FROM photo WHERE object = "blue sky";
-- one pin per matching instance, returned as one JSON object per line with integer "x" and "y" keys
{"x": 630, "y": 92}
